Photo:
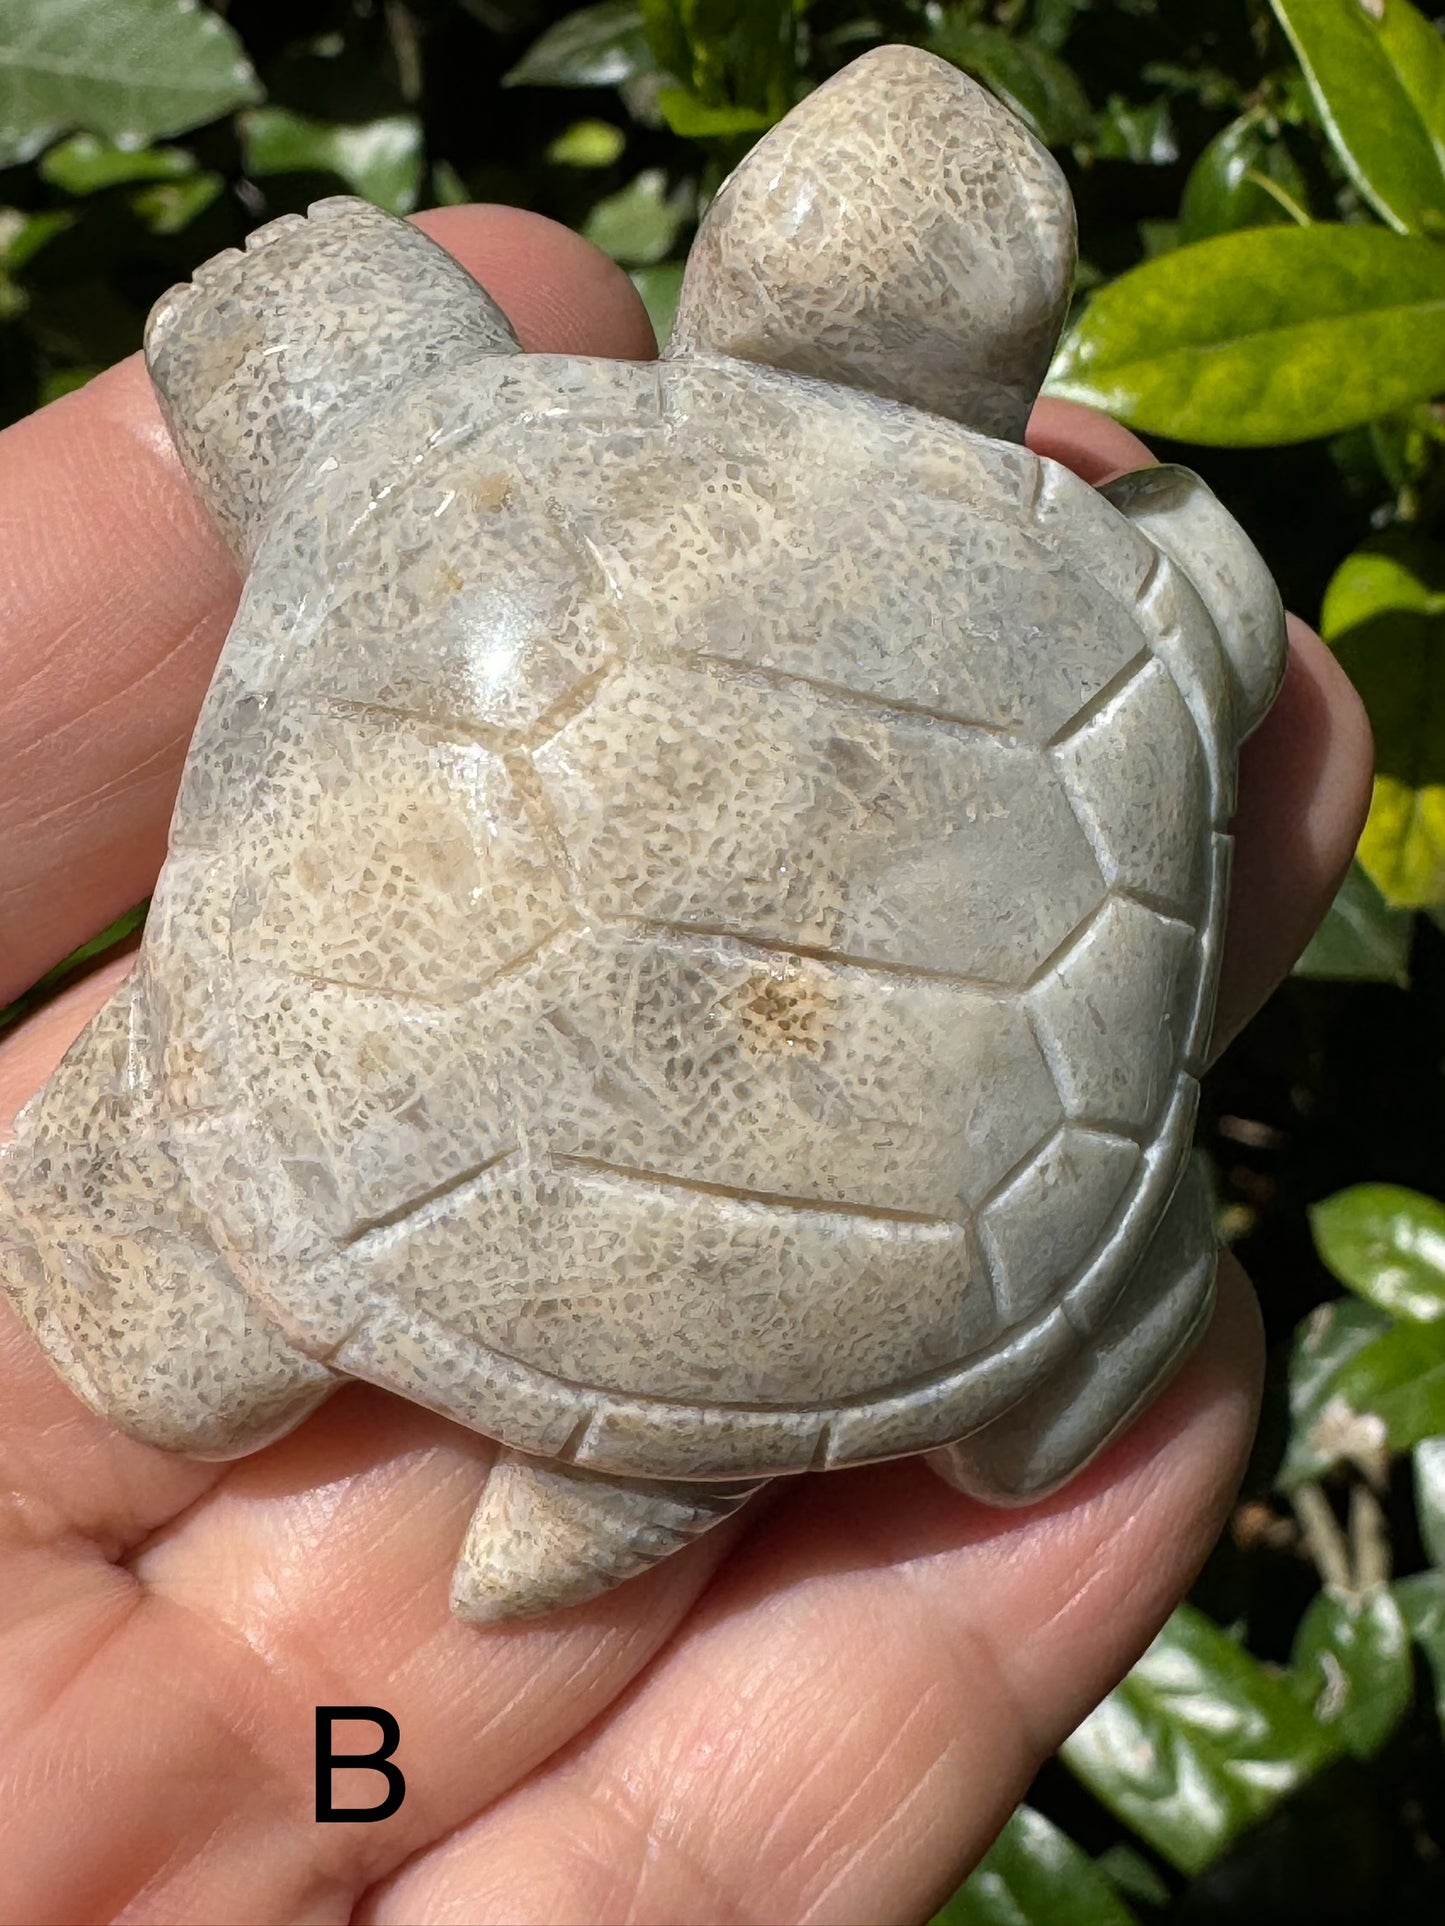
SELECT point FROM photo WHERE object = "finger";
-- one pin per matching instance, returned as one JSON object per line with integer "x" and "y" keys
{"x": 118, "y": 594}
{"x": 1304, "y": 793}
{"x": 560, "y": 293}
{"x": 866, "y": 1690}
{"x": 316, "y": 1574}
{"x": 1093, "y": 445}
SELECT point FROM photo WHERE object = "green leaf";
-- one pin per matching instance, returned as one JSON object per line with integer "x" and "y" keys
{"x": 728, "y": 53}
{"x": 668, "y": 37}
{"x": 1399, "y": 1380}
{"x": 639, "y": 225}
{"x": 1384, "y": 614}
{"x": 1421, "y": 1599}
{"x": 599, "y": 46}
{"x": 1362, "y": 939}
{"x": 1041, "y": 88}
{"x": 1397, "y": 571}
{"x": 381, "y": 159}
{"x": 64, "y": 381}
{"x": 587, "y": 143}
{"x": 1270, "y": 335}
{"x": 165, "y": 207}
{"x": 1053, "y": 21}
{"x": 23, "y": 235}
{"x": 1324, "y": 1431}
{"x": 447, "y": 186}
{"x": 55, "y": 978}
{"x": 1415, "y": 48}
{"x": 1429, "y": 1466}
{"x": 1197, "y": 1743}
{"x": 1136, "y": 1876}
{"x": 1351, "y": 1664}
{"x": 1403, "y": 570}
{"x": 1228, "y": 186}
{"x": 1377, "y": 75}
{"x": 84, "y": 165}
{"x": 1387, "y": 1245}
{"x": 660, "y": 288}
{"x": 1034, "y": 1875}
{"x": 686, "y": 115}
{"x": 1144, "y": 135}
{"x": 13, "y": 298}
{"x": 129, "y": 71}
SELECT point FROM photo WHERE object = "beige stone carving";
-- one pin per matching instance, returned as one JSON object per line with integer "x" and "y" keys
{"x": 692, "y": 916}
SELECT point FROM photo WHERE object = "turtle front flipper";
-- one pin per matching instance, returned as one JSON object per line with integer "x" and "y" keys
{"x": 547, "y": 1535}
{"x": 254, "y": 357}
{"x": 1183, "y": 517}
{"x": 900, "y": 232}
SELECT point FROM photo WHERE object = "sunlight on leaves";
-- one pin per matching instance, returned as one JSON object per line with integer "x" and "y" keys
{"x": 381, "y": 160}
{"x": 1268, "y": 335}
{"x": 1377, "y": 74}
{"x": 1034, "y": 1875}
{"x": 128, "y": 71}
{"x": 1384, "y": 615}
{"x": 1387, "y": 1245}
{"x": 1197, "y": 1743}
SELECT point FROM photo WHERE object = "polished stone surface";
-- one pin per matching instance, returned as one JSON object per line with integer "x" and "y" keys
{"x": 694, "y": 903}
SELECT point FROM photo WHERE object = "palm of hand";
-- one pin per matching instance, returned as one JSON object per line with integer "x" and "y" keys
{"x": 822, "y": 1710}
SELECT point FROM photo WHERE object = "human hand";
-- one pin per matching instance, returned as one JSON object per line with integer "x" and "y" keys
{"x": 822, "y": 1710}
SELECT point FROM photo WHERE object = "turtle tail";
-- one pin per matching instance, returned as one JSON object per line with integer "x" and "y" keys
{"x": 546, "y": 1535}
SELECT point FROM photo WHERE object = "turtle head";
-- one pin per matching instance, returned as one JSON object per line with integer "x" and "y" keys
{"x": 899, "y": 232}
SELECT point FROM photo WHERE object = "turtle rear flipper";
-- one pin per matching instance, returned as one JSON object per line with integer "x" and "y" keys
{"x": 116, "y": 1271}
{"x": 319, "y": 312}
{"x": 1041, "y": 1442}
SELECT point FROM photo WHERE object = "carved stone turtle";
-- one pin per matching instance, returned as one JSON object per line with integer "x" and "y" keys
{"x": 694, "y": 905}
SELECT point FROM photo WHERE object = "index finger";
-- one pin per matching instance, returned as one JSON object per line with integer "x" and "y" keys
{"x": 116, "y": 593}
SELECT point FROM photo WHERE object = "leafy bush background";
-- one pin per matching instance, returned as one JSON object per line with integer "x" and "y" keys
{"x": 1262, "y": 203}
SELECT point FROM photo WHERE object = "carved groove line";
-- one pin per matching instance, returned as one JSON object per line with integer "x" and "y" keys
{"x": 1071, "y": 942}
{"x": 881, "y": 708}
{"x": 763, "y": 1199}
{"x": 810, "y": 952}
{"x": 1102, "y": 698}
{"x": 527, "y": 781}
{"x": 423, "y": 1207}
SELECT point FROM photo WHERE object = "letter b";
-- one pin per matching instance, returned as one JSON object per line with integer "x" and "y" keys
{"x": 377, "y": 1761}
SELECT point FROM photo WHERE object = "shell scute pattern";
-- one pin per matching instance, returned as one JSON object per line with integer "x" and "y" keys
{"x": 904, "y": 819}
{"x": 387, "y": 854}
{"x": 712, "y": 1061}
{"x": 685, "y": 1044}
{"x": 696, "y": 896}
{"x": 788, "y": 565}
{"x": 1157, "y": 855}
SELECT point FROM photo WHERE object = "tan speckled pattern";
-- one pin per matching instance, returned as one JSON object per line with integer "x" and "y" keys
{"x": 949, "y": 292}
{"x": 694, "y": 906}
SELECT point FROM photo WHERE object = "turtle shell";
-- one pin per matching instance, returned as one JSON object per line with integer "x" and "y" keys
{"x": 693, "y": 914}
